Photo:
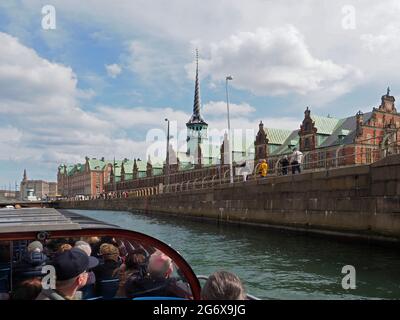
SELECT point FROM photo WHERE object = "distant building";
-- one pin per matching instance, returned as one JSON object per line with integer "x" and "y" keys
{"x": 331, "y": 142}
{"x": 36, "y": 189}
{"x": 325, "y": 142}
{"x": 7, "y": 195}
{"x": 86, "y": 179}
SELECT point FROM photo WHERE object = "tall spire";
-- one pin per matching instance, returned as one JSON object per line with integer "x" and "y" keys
{"x": 196, "y": 117}
{"x": 196, "y": 104}
{"x": 25, "y": 178}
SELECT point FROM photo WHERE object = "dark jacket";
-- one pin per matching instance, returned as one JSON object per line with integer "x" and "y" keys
{"x": 284, "y": 162}
{"x": 107, "y": 270}
{"x": 30, "y": 266}
{"x": 155, "y": 287}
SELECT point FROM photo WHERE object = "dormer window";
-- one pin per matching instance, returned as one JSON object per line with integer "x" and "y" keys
{"x": 343, "y": 133}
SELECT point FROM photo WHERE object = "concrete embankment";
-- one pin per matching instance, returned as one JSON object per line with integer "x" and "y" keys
{"x": 358, "y": 202}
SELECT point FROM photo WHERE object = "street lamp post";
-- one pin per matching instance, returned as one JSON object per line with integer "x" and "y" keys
{"x": 228, "y": 78}
{"x": 167, "y": 159}
{"x": 115, "y": 176}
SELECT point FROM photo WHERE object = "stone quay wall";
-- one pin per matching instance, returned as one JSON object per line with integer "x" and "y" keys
{"x": 357, "y": 202}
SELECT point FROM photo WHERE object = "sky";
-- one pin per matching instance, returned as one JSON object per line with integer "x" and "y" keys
{"x": 97, "y": 78}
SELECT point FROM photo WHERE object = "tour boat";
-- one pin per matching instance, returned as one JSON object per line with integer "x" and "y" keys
{"x": 19, "y": 227}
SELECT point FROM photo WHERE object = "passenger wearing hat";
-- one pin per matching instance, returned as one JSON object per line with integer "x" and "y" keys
{"x": 110, "y": 266}
{"x": 88, "y": 290}
{"x": 71, "y": 274}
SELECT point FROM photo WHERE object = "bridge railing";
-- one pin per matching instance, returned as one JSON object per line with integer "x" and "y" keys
{"x": 212, "y": 181}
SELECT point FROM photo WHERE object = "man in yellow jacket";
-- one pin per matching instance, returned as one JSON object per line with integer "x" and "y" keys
{"x": 263, "y": 169}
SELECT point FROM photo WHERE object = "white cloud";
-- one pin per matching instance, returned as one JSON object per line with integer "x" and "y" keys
{"x": 274, "y": 62}
{"x": 40, "y": 108}
{"x": 386, "y": 41}
{"x": 332, "y": 60}
{"x": 113, "y": 70}
{"x": 141, "y": 116}
{"x": 148, "y": 61}
{"x": 314, "y": 61}
{"x": 218, "y": 108}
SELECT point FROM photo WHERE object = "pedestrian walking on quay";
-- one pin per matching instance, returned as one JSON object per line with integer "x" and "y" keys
{"x": 284, "y": 162}
{"x": 263, "y": 169}
{"x": 296, "y": 159}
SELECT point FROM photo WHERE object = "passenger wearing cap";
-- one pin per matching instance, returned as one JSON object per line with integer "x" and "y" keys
{"x": 88, "y": 289}
{"x": 72, "y": 268}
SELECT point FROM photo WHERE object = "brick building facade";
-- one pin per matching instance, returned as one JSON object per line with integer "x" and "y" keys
{"x": 329, "y": 142}
{"x": 86, "y": 179}
{"x": 325, "y": 142}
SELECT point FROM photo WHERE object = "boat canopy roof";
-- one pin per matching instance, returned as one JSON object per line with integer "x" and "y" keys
{"x": 46, "y": 219}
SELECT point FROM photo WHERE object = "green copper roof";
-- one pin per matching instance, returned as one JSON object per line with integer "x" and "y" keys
{"x": 96, "y": 165}
{"x": 325, "y": 125}
{"x": 142, "y": 165}
{"x": 277, "y": 136}
{"x": 157, "y": 163}
{"x": 77, "y": 168}
{"x": 292, "y": 140}
{"x": 128, "y": 166}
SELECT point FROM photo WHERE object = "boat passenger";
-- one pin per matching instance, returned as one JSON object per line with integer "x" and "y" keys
{"x": 223, "y": 285}
{"x": 27, "y": 290}
{"x": 64, "y": 247}
{"x": 88, "y": 291}
{"x": 96, "y": 246}
{"x": 109, "y": 268}
{"x": 134, "y": 267}
{"x": 31, "y": 263}
{"x": 4, "y": 265}
{"x": 35, "y": 246}
{"x": 158, "y": 281}
{"x": 83, "y": 245}
{"x": 72, "y": 268}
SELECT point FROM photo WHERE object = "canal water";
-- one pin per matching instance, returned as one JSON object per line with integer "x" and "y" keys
{"x": 272, "y": 263}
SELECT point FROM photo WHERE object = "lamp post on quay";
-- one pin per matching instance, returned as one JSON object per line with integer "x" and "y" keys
{"x": 229, "y": 78}
{"x": 167, "y": 160}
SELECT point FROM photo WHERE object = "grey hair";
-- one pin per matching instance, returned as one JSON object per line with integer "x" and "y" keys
{"x": 84, "y": 246}
{"x": 223, "y": 285}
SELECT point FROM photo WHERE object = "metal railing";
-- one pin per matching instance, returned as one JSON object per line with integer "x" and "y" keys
{"x": 211, "y": 181}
